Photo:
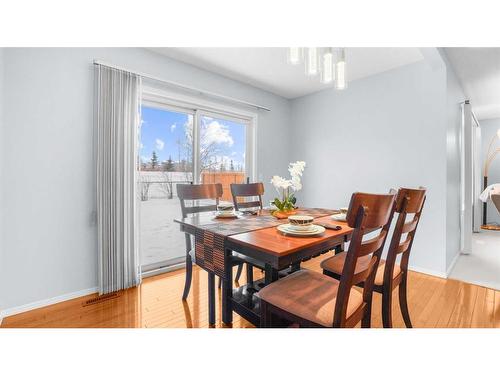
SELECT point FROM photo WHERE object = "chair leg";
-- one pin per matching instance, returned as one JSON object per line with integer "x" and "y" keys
{"x": 220, "y": 282}
{"x": 211, "y": 298}
{"x": 249, "y": 273}
{"x": 366, "y": 322}
{"x": 265, "y": 315}
{"x": 238, "y": 272}
{"x": 189, "y": 276}
{"x": 387, "y": 308}
{"x": 403, "y": 303}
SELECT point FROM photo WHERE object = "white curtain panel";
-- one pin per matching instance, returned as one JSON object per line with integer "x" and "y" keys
{"x": 117, "y": 126}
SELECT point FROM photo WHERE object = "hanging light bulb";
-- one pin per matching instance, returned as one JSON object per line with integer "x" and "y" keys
{"x": 340, "y": 71}
{"x": 294, "y": 55}
{"x": 312, "y": 64}
{"x": 327, "y": 71}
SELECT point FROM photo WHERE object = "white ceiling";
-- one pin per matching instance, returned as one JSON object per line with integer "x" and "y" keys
{"x": 266, "y": 68}
{"x": 478, "y": 70}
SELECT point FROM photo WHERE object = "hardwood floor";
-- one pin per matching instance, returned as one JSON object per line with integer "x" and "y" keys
{"x": 433, "y": 302}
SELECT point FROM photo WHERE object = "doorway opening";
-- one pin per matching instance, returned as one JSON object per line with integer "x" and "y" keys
{"x": 479, "y": 262}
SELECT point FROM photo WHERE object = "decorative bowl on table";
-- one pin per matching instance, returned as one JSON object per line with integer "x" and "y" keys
{"x": 301, "y": 223}
{"x": 300, "y": 220}
{"x": 283, "y": 214}
{"x": 342, "y": 215}
{"x": 225, "y": 210}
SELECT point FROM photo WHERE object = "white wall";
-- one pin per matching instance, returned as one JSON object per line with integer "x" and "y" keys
{"x": 384, "y": 131}
{"x": 2, "y": 285}
{"x": 454, "y": 97}
{"x": 488, "y": 130}
{"x": 49, "y": 234}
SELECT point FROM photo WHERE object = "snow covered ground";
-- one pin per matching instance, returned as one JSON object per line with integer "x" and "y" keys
{"x": 161, "y": 238}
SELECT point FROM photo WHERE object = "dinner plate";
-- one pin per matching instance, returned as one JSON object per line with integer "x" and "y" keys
{"x": 227, "y": 215}
{"x": 339, "y": 217}
{"x": 301, "y": 228}
{"x": 315, "y": 230}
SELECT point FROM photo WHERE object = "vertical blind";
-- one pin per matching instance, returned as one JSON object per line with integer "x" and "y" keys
{"x": 117, "y": 123}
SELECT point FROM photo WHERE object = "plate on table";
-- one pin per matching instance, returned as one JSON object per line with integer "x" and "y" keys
{"x": 339, "y": 217}
{"x": 313, "y": 231}
{"x": 227, "y": 214}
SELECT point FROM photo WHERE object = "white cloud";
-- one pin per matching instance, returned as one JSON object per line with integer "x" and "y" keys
{"x": 144, "y": 159}
{"x": 141, "y": 145}
{"x": 172, "y": 127}
{"x": 233, "y": 153}
{"x": 159, "y": 144}
{"x": 217, "y": 133}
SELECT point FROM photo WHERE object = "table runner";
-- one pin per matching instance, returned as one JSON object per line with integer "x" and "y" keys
{"x": 210, "y": 238}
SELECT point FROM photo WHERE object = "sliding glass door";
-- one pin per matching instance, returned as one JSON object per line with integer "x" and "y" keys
{"x": 179, "y": 146}
{"x": 166, "y": 159}
{"x": 222, "y": 151}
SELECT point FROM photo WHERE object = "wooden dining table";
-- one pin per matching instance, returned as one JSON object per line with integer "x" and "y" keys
{"x": 256, "y": 236}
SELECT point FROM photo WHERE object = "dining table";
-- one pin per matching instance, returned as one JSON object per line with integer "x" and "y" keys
{"x": 254, "y": 234}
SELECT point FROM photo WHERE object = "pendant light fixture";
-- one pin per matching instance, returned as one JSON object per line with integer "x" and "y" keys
{"x": 327, "y": 66}
{"x": 312, "y": 61}
{"x": 327, "y": 62}
{"x": 295, "y": 55}
{"x": 340, "y": 71}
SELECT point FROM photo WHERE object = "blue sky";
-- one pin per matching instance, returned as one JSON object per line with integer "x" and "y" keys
{"x": 161, "y": 131}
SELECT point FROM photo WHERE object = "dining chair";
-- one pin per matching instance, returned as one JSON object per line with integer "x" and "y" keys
{"x": 312, "y": 299}
{"x": 191, "y": 192}
{"x": 390, "y": 274}
{"x": 244, "y": 191}
{"x": 247, "y": 190}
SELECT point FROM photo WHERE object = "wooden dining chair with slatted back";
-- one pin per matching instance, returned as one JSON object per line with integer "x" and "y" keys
{"x": 190, "y": 192}
{"x": 196, "y": 193}
{"x": 312, "y": 299}
{"x": 254, "y": 190}
{"x": 390, "y": 274}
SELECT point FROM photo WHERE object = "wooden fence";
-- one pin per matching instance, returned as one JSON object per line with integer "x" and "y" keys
{"x": 224, "y": 178}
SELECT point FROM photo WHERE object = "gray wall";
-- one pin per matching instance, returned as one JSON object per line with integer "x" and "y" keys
{"x": 454, "y": 96}
{"x": 384, "y": 131}
{"x": 49, "y": 234}
{"x": 488, "y": 130}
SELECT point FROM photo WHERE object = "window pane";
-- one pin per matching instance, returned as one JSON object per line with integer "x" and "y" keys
{"x": 166, "y": 159}
{"x": 222, "y": 153}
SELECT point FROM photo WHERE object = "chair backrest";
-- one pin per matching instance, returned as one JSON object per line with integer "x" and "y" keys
{"x": 367, "y": 213}
{"x": 408, "y": 201}
{"x": 247, "y": 190}
{"x": 197, "y": 192}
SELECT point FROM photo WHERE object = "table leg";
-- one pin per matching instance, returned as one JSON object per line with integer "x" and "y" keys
{"x": 295, "y": 267}
{"x": 211, "y": 298}
{"x": 227, "y": 290}
{"x": 339, "y": 248}
{"x": 271, "y": 274}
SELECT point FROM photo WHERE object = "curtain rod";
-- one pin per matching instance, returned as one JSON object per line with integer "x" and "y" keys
{"x": 184, "y": 87}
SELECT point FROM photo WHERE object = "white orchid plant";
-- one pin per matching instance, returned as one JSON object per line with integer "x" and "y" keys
{"x": 283, "y": 186}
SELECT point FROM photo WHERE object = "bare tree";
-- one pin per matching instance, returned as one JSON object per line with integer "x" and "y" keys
{"x": 209, "y": 149}
{"x": 144, "y": 185}
{"x": 166, "y": 184}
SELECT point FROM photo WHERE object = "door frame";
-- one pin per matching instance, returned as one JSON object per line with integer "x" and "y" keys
{"x": 470, "y": 177}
